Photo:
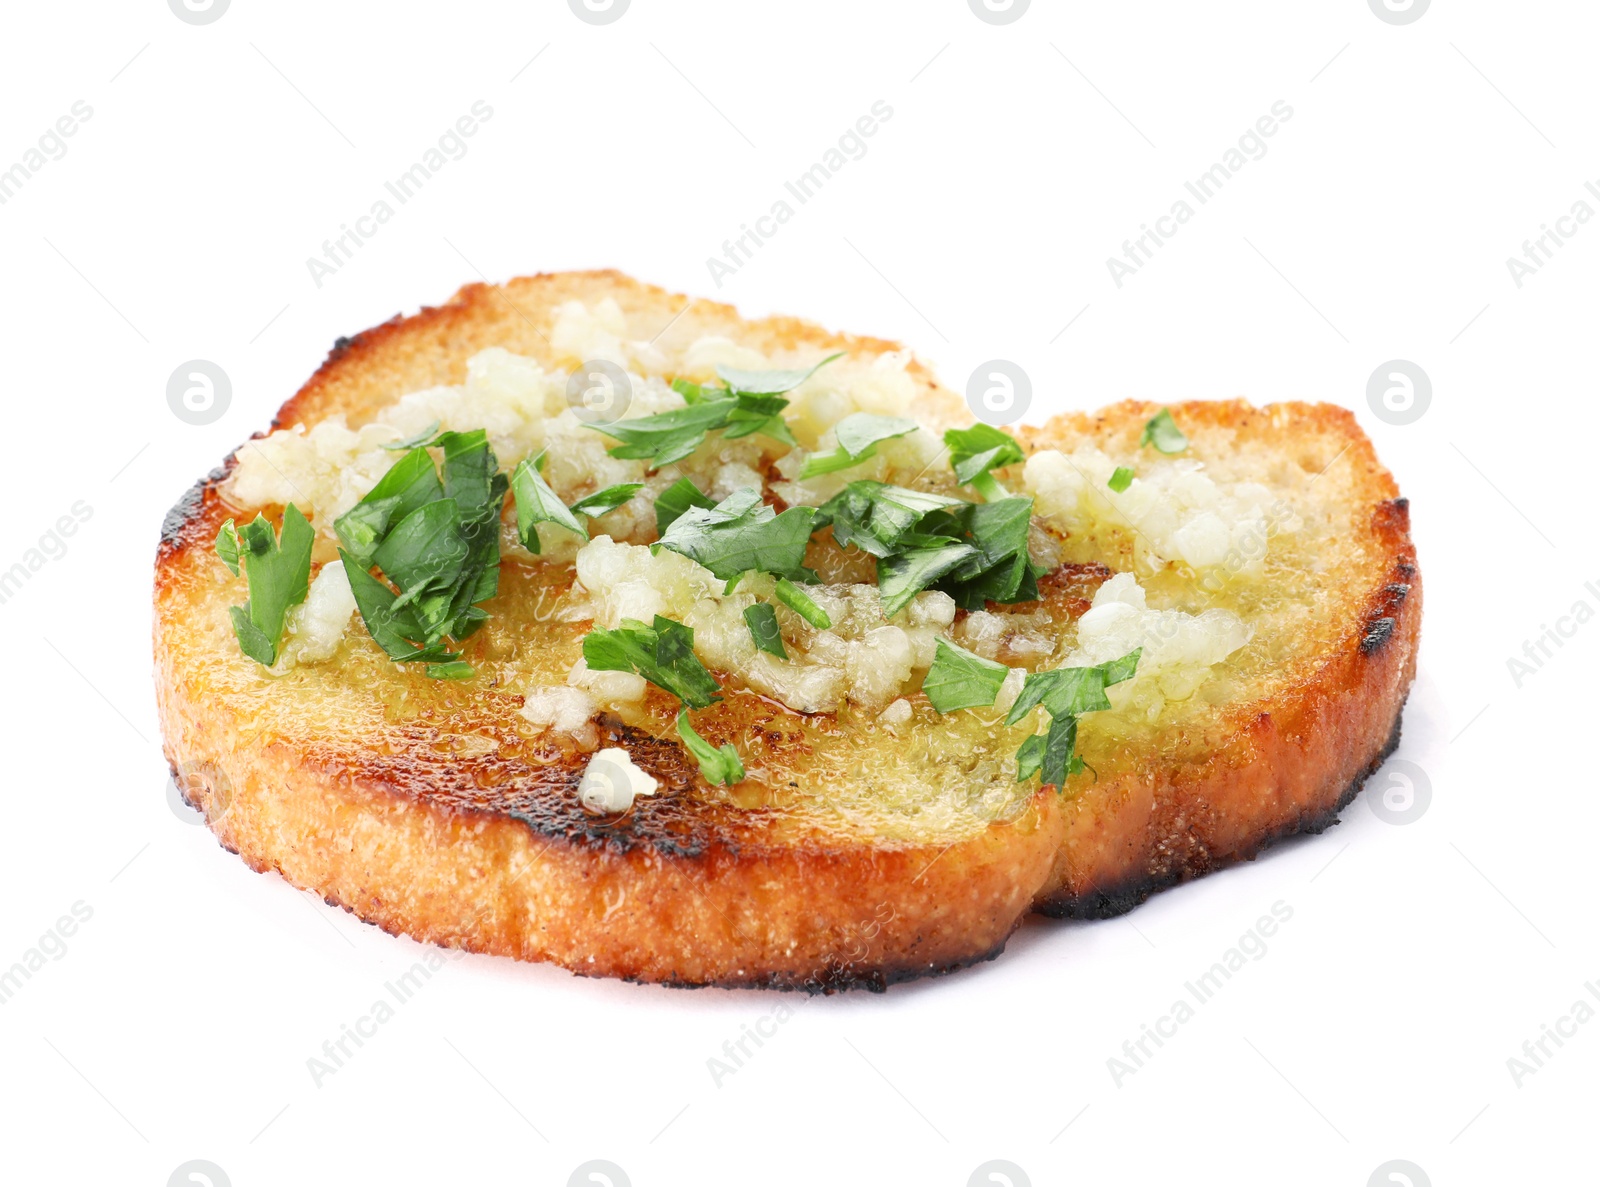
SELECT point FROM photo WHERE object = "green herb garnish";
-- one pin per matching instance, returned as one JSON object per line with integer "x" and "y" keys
{"x": 437, "y": 542}
{"x": 663, "y": 653}
{"x": 1065, "y": 694}
{"x": 537, "y": 503}
{"x": 677, "y": 499}
{"x": 762, "y": 620}
{"x": 752, "y": 402}
{"x": 960, "y": 680}
{"x": 742, "y": 533}
{"x": 770, "y": 383}
{"x": 876, "y": 517}
{"x": 718, "y": 765}
{"x": 858, "y": 436}
{"x": 603, "y": 501}
{"x": 1163, "y": 432}
{"x": 974, "y": 452}
{"x": 416, "y": 439}
{"x": 792, "y": 596}
{"x": 903, "y": 576}
{"x": 1120, "y": 479}
{"x": 277, "y": 567}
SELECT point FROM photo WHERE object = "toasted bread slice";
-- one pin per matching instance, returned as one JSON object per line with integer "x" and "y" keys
{"x": 862, "y": 848}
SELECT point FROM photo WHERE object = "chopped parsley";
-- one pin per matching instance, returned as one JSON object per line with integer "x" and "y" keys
{"x": 751, "y": 402}
{"x": 876, "y": 517}
{"x": 770, "y": 383}
{"x": 858, "y": 436}
{"x": 422, "y": 438}
{"x": 1163, "y": 432}
{"x": 663, "y": 653}
{"x": 718, "y": 765}
{"x": 976, "y": 552}
{"x": 277, "y": 568}
{"x": 677, "y": 499}
{"x": 762, "y": 620}
{"x": 537, "y": 503}
{"x": 903, "y": 576}
{"x": 438, "y": 543}
{"x": 742, "y": 533}
{"x": 603, "y": 501}
{"x": 1121, "y": 478}
{"x": 1065, "y": 694}
{"x": 960, "y": 680}
{"x": 974, "y": 452}
{"x": 668, "y": 437}
{"x": 792, "y": 596}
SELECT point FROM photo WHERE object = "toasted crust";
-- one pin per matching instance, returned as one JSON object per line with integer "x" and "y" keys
{"x": 485, "y": 847}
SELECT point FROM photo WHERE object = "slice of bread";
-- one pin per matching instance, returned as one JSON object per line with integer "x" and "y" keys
{"x": 863, "y": 847}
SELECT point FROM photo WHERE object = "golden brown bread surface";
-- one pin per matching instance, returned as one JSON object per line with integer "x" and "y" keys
{"x": 853, "y": 855}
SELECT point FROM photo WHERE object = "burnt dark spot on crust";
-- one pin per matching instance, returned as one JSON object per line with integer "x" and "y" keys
{"x": 188, "y": 508}
{"x": 1119, "y": 900}
{"x": 340, "y": 345}
{"x": 1378, "y": 632}
{"x": 1384, "y": 611}
{"x": 673, "y": 824}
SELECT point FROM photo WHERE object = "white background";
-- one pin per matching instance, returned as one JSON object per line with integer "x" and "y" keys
{"x": 1419, "y": 958}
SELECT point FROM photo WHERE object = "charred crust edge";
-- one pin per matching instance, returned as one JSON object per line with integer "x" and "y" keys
{"x": 189, "y": 506}
{"x": 1119, "y": 900}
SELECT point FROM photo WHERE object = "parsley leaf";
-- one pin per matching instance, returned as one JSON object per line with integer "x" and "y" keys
{"x": 717, "y": 765}
{"x": 667, "y": 437}
{"x": 1050, "y": 755}
{"x": 762, "y": 620}
{"x": 603, "y": 501}
{"x": 416, "y": 439}
{"x": 769, "y": 383}
{"x": 792, "y": 596}
{"x": 228, "y": 546}
{"x": 409, "y": 483}
{"x": 677, "y": 499}
{"x": 902, "y": 577}
{"x": 1065, "y": 694}
{"x": 277, "y": 567}
{"x": 876, "y": 517}
{"x": 752, "y": 402}
{"x": 537, "y": 503}
{"x": 1073, "y": 690}
{"x": 1163, "y": 432}
{"x": 742, "y": 533}
{"x": 976, "y": 451}
{"x": 1060, "y": 757}
{"x": 960, "y": 680}
{"x": 858, "y": 436}
{"x": 438, "y": 542}
{"x": 1121, "y": 479}
{"x": 663, "y": 653}
{"x": 391, "y": 626}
